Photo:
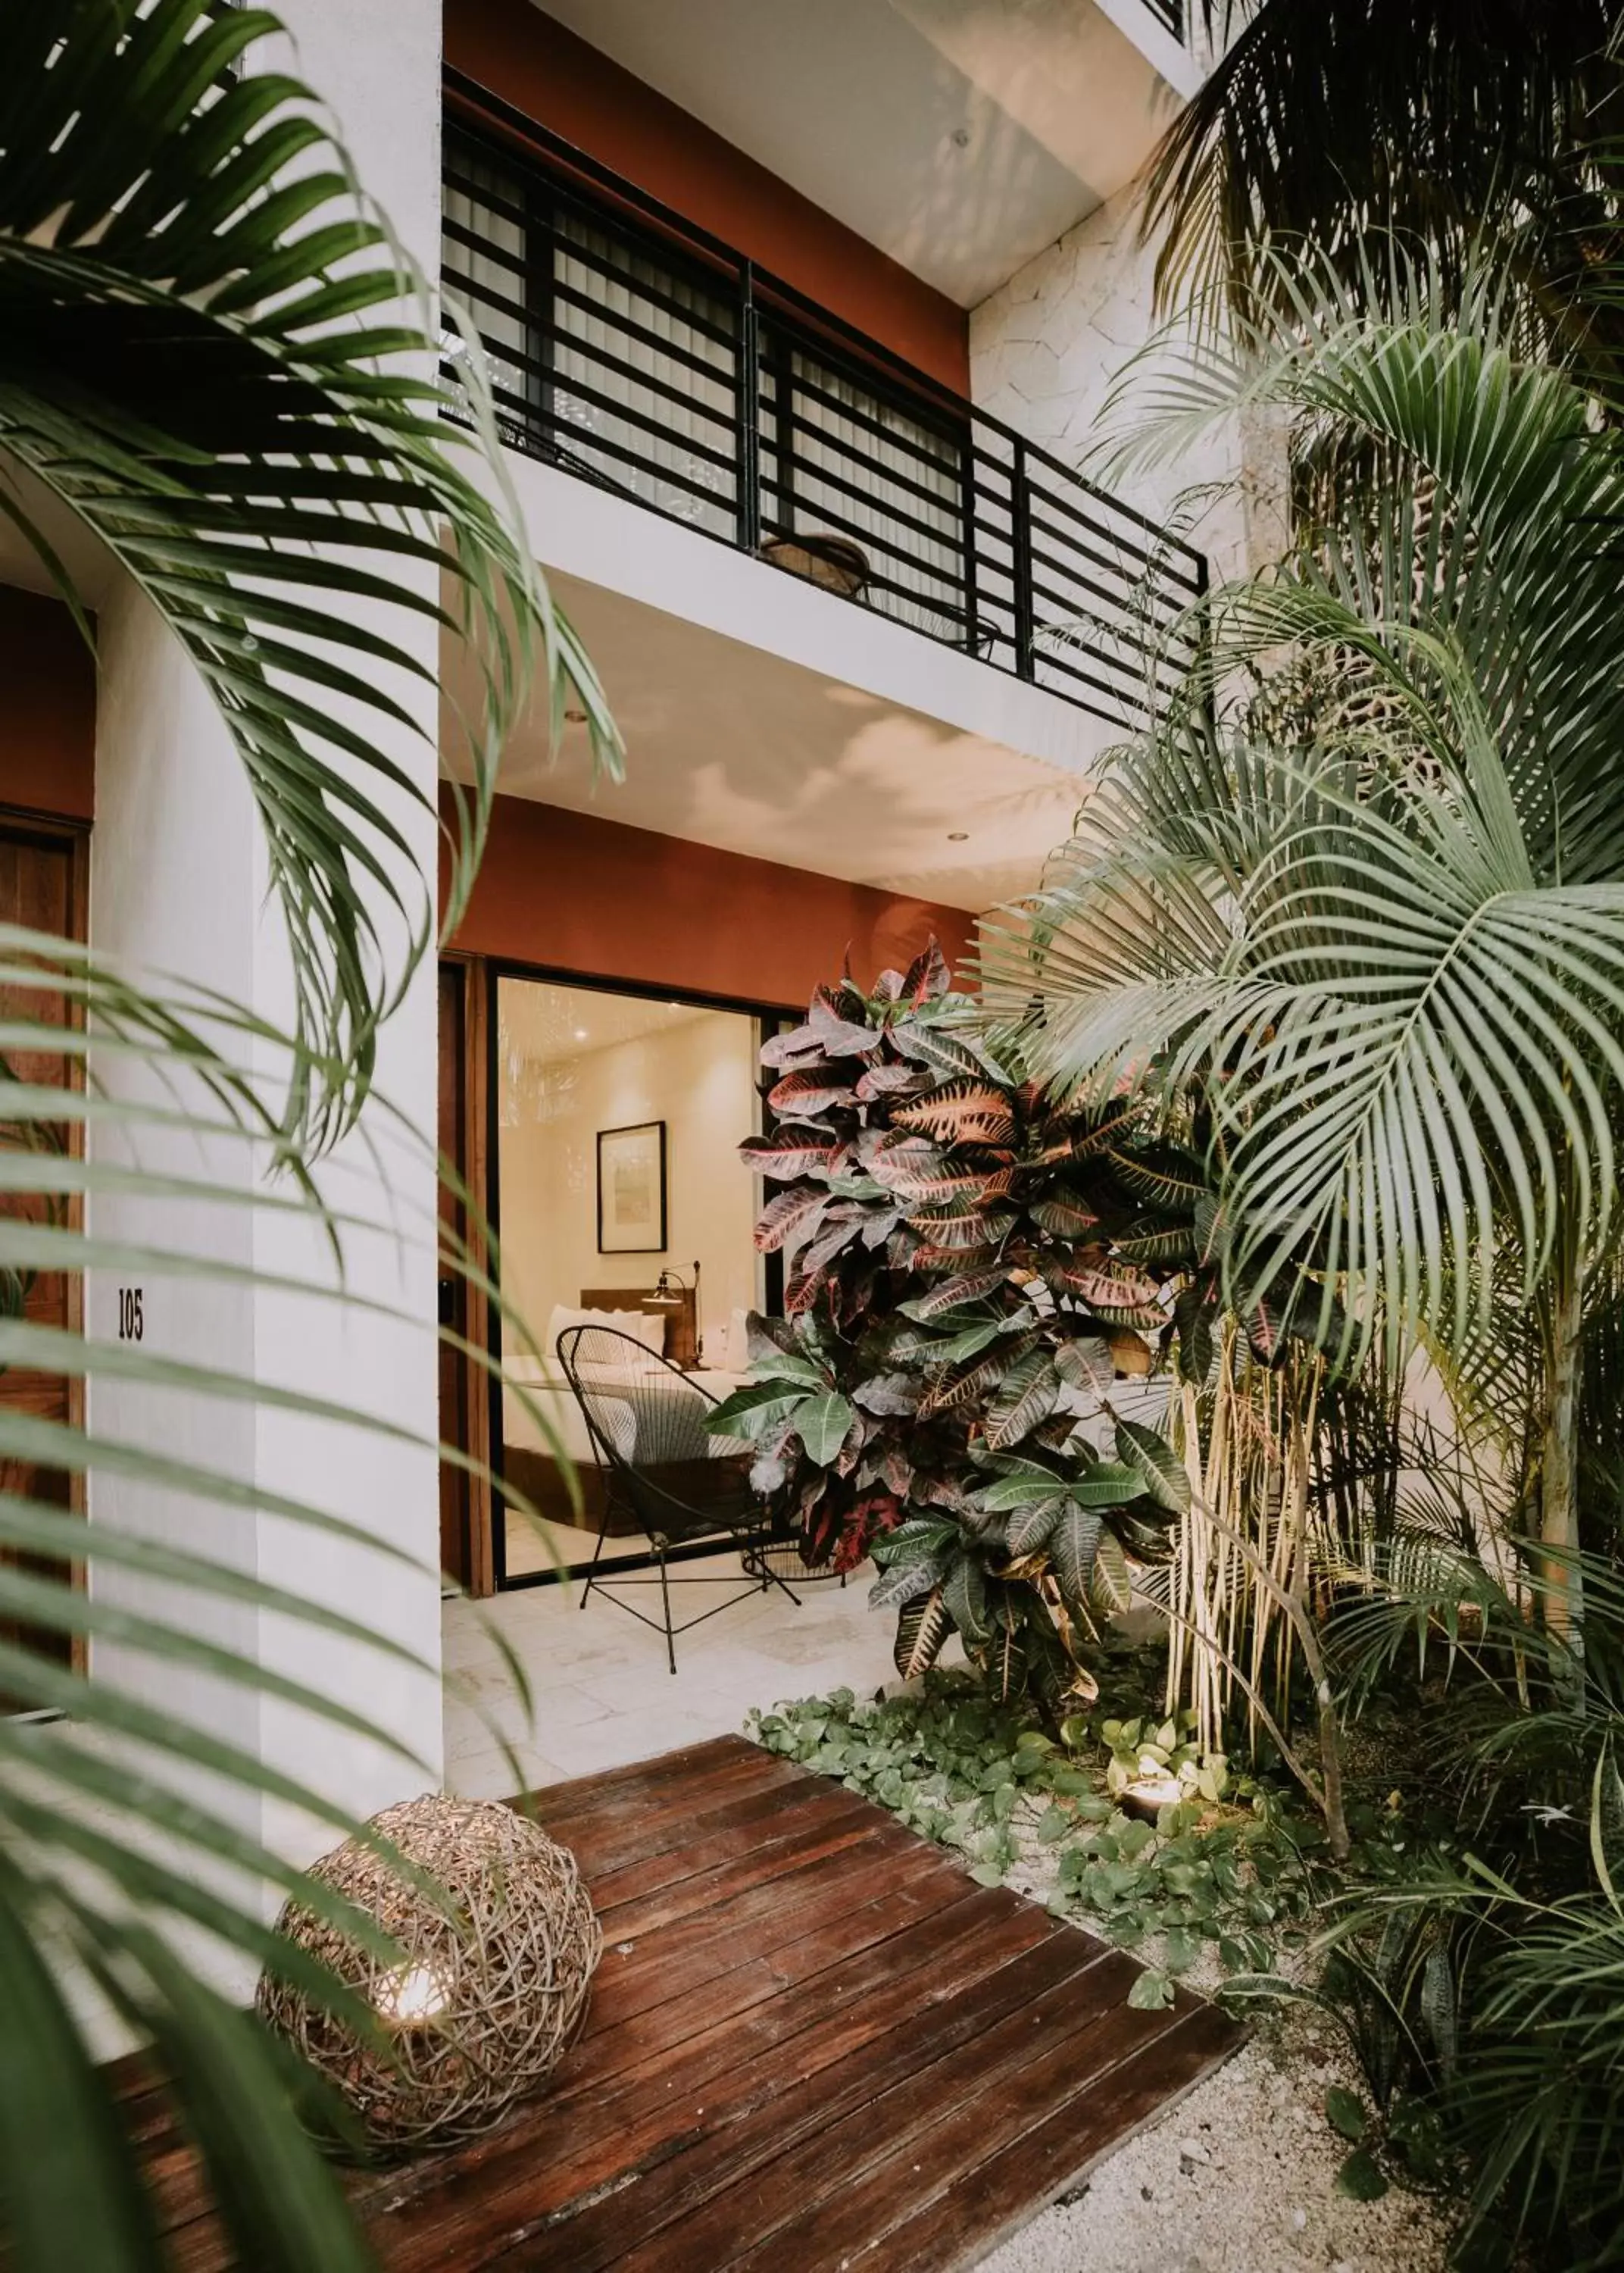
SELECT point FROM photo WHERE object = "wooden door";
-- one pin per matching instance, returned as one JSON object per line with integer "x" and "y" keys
{"x": 42, "y": 885}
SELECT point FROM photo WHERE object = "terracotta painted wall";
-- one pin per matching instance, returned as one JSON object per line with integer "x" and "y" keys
{"x": 543, "y": 70}
{"x": 48, "y": 708}
{"x": 571, "y": 892}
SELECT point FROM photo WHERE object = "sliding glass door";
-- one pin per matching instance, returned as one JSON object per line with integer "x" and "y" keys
{"x": 619, "y": 1198}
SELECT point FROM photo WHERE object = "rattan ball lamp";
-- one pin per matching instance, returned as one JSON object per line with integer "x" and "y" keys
{"x": 490, "y": 1987}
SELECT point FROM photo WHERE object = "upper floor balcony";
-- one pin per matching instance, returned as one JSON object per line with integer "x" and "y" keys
{"x": 633, "y": 353}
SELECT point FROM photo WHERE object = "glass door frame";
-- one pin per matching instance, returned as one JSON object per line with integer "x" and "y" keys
{"x": 770, "y": 1018}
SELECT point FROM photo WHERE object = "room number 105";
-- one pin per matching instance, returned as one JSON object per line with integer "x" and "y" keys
{"x": 129, "y": 1314}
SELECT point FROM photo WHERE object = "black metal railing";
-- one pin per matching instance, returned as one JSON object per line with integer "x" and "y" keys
{"x": 632, "y": 349}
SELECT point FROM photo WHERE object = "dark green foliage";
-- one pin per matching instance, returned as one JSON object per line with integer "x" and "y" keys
{"x": 970, "y": 1273}
{"x": 1480, "y": 1986}
{"x": 957, "y": 1764}
{"x": 1457, "y": 125}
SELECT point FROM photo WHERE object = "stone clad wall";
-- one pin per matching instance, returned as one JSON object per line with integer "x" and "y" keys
{"x": 1046, "y": 351}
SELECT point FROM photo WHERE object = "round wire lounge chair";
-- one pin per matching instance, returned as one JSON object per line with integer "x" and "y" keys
{"x": 663, "y": 1471}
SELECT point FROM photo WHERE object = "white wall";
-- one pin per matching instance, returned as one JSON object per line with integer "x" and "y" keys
{"x": 178, "y": 882}
{"x": 377, "y": 62}
{"x": 699, "y": 1080}
{"x": 171, "y": 854}
{"x": 1046, "y": 350}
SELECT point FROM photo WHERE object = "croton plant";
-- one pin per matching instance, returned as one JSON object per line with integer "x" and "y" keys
{"x": 971, "y": 1274}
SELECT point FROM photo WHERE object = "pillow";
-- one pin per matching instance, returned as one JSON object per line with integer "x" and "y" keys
{"x": 642, "y": 1326}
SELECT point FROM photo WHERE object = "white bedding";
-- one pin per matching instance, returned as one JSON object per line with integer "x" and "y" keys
{"x": 547, "y": 1387}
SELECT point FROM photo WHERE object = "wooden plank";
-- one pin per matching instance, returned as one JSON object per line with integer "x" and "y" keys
{"x": 772, "y": 1815}
{"x": 963, "y": 2222}
{"x": 942, "y": 2122}
{"x": 719, "y": 2043}
{"x": 829, "y": 1826}
{"x": 609, "y": 1830}
{"x": 715, "y": 1941}
{"x": 915, "y": 1893}
{"x": 599, "y": 2110}
{"x": 603, "y": 1851}
{"x": 650, "y": 1784}
{"x": 814, "y": 2041}
{"x": 632, "y": 1775}
{"x": 822, "y": 2075}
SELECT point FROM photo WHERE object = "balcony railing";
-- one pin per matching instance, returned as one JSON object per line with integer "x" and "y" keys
{"x": 634, "y": 351}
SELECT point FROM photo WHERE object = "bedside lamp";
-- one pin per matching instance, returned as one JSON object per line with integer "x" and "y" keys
{"x": 673, "y": 1292}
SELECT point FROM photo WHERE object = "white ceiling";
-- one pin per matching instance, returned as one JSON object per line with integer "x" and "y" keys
{"x": 959, "y": 136}
{"x": 730, "y": 745}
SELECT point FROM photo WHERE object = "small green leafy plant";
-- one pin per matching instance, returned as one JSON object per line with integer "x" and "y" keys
{"x": 959, "y": 1765}
{"x": 1143, "y": 1747}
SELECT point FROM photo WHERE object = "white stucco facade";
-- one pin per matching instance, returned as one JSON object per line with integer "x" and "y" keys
{"x": 179, "y": 887}
{"x": 1047, "y": 350}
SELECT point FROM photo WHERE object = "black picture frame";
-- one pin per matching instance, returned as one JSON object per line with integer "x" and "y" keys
{"x": 656, "y": 1130}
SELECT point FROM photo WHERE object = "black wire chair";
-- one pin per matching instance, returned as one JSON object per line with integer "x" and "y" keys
{"x": 662, "y": 1469}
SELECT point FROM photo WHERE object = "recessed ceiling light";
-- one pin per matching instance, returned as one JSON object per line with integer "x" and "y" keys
{"x": 580, "y": 1033}
{"x": 958, "y": 836}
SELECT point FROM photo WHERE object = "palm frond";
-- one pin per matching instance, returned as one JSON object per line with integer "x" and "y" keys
{"x": 131, "y": 1821}
{"x": 218, "y": 359}
{"x": 1378, "y": 914}
{"x": 1447, "y": 124}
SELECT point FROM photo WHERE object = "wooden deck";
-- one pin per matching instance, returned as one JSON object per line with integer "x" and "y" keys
{"x": 814, "y": 2044}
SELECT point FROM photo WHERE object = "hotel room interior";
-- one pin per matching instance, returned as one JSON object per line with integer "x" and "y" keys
{"x": 621, "y": 1202}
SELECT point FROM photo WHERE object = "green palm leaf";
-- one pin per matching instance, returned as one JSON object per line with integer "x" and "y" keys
{"x": 108, "y": 1846}
{"x": 211, "y": 359}
{"x": 1450, "y": 123}
{"x": 209, "y": 355}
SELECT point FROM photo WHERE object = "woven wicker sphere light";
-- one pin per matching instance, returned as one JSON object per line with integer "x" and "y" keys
{"x": 491, "y": 1985}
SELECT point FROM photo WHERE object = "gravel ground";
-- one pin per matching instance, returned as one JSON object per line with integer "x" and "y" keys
{"x": 1238, "y": 2176}
{"x": 1234, "y": 2178}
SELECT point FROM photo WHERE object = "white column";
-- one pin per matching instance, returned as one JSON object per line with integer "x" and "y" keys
{"x": 378, "y": 63}
{"x": 178, "y": 882}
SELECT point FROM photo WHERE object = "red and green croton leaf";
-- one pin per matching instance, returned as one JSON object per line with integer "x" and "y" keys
{"x": 973, "y": 1268}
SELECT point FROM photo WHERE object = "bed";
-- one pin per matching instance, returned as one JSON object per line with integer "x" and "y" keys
{"x": 529, "y": 1436}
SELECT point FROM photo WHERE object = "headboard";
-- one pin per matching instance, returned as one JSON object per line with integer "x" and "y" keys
{"x": 679, "y": 1309}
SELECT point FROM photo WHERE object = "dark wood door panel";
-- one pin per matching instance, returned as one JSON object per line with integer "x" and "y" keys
{"x": 43, "y": 888}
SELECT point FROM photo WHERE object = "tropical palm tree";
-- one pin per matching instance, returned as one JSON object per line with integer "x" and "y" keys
{"x": 215, "y": 361}
{"x": 1460, "y": 127}
{"x": 1364, "y": 883}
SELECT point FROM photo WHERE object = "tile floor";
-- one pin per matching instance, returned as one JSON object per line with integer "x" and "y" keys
{"x": 601, "y": 1694}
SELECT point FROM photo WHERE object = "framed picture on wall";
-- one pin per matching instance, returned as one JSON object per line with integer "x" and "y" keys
{"x": 632, "y": 1190}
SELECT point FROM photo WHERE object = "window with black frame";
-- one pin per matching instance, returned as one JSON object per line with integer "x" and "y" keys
{"x": 619, "y": 358}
